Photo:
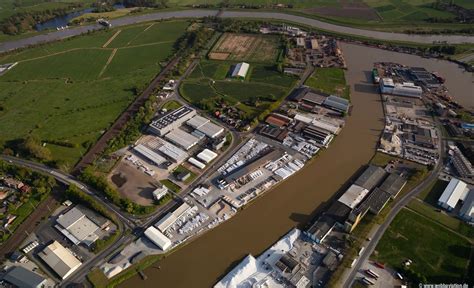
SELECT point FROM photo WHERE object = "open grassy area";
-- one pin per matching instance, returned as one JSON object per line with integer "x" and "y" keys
{"x": 208, "y": 87}
{"x": 171, "y": 185}
{"x": 71, "y": 91}
{"x": 437, "y": 253}
{"x": 171, "y": 105}
{"x": 329, "y": 80}
{"x": 182, "y": 169}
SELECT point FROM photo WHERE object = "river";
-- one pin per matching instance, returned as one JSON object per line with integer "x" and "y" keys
{"x": 202, "y": 262}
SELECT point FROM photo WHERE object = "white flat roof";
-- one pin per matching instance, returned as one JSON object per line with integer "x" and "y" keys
{"x": 150, "y": 154}
{"x": 173, "y": 152}
{"x": 197, "y": 121}
{"x": 158, "y": 238}
{"x": 452, "y": 193}
{"x": 79, "y": 226}
{"x": 211, "y": 130}
{"x": 353, "y": 196}
{"x": 207, "y": 155}
{"x": 59, "y": 259}
{"x": 182, "y": 138}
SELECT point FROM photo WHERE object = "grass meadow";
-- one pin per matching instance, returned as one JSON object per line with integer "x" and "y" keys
{"x": 73, "y": 90}
{"x": 329, "y": 80}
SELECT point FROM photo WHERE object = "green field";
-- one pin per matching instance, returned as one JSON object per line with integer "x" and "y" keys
{"x": 208, "y": 85}
{"x": 329, "y": 80}
{"x": 437, "y": 253}
{"x": 71, "y": 91}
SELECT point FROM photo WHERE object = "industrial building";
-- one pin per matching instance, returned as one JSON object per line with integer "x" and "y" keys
{"x": 158, "y": 238}
{"x": 240, "y": 70}
{"x": 467, "y": 209}
{"x": 196, "y": 163}
{"x": 207, "y": 155}
{"x": 393, "y": 184}
{"x": 452, "y": 194}
{"x": 160, "y": 192}
{"x": 320, "y": 229}
{"x": 270, "y": 155}
{"x": 174, "y": 153}
{"x": 275, "y": 133}
{"x": 171, "y": 121}
{"x": 321, "y": 136}
{"x": 24, "y": 278}
{"x": 336, "y": 103}
{"x": 353, "y": 196}
{"x": 205, "y": 126}
{"x": 462, "y": 165}
{"x": 166, "y": 222}
{"x": 78, "y": 227}
{"x": 59, "y": 259}
{"x": 371, "y": 177}
{"x": 278, "y": 120}
{"x": 408, "y": 89}
{"x": 182, "y": 138}
{"x": 151, "y": 155}
{"x": 427, "y": 79}
{"x": 375, "y": 201}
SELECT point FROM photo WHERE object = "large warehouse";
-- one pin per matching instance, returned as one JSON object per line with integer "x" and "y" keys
{"x": 182, "y": 138}
{"x": 174, "y": 153}
{"x": 151, "y": 155}
{"x": 77, "y": 227}
{"x": 455, "y": 190}
{"x": 205, "y": 126}
{"x": 337, "y": 103}
{"x": 24, "y": 278}
{"x": 158, "y": 238}
{"x": 353, "y": 196}
{"x": 408, "y": 89}
{"x": 240, "y": 70}
{"x": 59, "y": 259}
{"x": 371, "y": 177}
{"x": 171, "y": 121}
{"x": 166, "y": 222}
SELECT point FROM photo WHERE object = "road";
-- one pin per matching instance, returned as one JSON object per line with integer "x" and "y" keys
{"x": 198, "y": 13}
{"x": 393, "y": 212}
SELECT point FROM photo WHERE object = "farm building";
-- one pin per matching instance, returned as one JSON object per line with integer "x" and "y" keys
{"x": 240, "y": 70}
{"x": 353, "y": 196}
{"x": 78, "y": 227}
{"x": 371, "y": 177}
{"x": 59, "y": 259}
{"x": 207, "y": 155}
{"x": 158, "y": 238}
{"x": 172, "y": 120}
{"x": 174, "y": 153}
{"x": 337, "y": 103}
{"x": 467, "y": 209}
{"x": 24, "y": 278}
{"x": 455, "y": 190}
{"x": 182, "y": 138}
{"x": 151, "y": 155}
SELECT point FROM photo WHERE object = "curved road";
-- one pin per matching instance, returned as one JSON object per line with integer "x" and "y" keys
{"x": 197, "y": 13}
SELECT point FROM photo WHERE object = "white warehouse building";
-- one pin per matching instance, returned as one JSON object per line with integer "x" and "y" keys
{"x": 240, "y": 70}
{"x": 408, "y": 89}
{"x": 59, "y": 259}
{"x": 455, "y": 191}
{"x": 158, "y": 238}
{"x": 182, "y": 138}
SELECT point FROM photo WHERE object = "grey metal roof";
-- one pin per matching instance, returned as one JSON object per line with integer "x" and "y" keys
{"x": 371, "y": 177}
{"x": 393, "y": 184}
{"x": 24, "y": 278}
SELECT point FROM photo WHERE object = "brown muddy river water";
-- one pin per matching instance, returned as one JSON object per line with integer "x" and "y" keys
{"x": 204, "y": 261}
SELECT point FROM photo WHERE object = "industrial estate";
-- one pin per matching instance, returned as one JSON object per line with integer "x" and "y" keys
{"x": 124, "y": 146}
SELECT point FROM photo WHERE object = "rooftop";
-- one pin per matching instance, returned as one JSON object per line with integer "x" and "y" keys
{"x": 371, "y": 177}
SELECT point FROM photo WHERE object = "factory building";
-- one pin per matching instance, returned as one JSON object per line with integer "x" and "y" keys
{"x": 278, "y": 120}
{"x": 151, "y": 155}
{"x": 242, "y": 171}
{"x": 275, "y": 133}
{"x": 78, "y": 227}
{"x": 337, "y": 103}
{"x": 166, "y": 222}
{"x": 207, "y": 155}
{"x": 182, "y": 138}
{"x": 196, "y": 163}
{"x": 171, "y": 121}
{"x": 320, "y": 229}
{"x": 205, "y": 126}
{"x": 59, "y": 259}
{"x": 321, "y": 136}
{"x": 408, "y": 89}
{"x": 376, "y": 201}
{"x": 158, "y": 238}
{"x": 452, "y": 194}
{"x": 24, "y": 278}
{"x": 393, "y": 184}
{"x": 240, "y": 70}
{"x": 371, "y": 177}
{"x": 462, "y": 165}
{"x": 353, "y": 196}
{"x": 174, "y": 153}
{"x": 467, "y": 209}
